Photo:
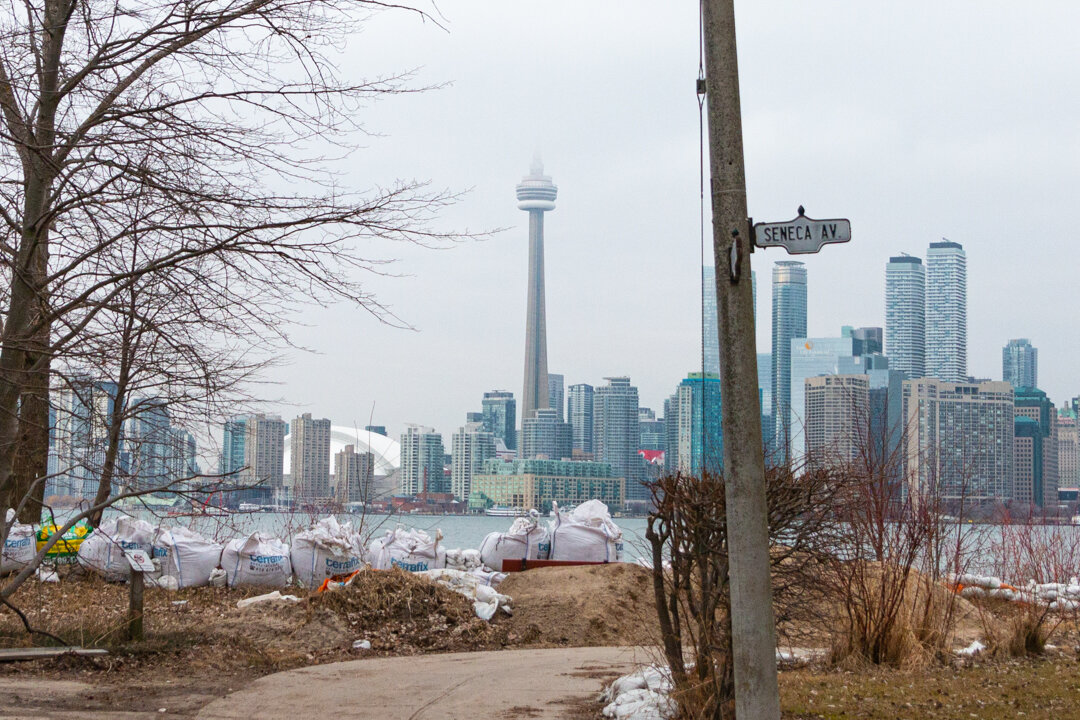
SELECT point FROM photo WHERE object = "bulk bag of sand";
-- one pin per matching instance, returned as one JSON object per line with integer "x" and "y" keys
{"x": 103, "y": 550}
{"x": 586, "y": 535}
{"x": 525, "y": 540}
{"x": 411, "y": 550}
{"x": 19, "y": 546}
{"x": 184, "y": 556}
{"x": 258, "y": 559}
{"x": 324, "y": 550}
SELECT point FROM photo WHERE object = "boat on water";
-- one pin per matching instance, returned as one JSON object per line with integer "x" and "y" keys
{"x": 499, "y": 511}
{"x": 246, "y": 507}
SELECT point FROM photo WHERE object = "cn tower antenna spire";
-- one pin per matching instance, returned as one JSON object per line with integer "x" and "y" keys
{"x": 536, "y": 195}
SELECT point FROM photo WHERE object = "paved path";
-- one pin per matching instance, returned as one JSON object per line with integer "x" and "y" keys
{"x": 494, "y": 685}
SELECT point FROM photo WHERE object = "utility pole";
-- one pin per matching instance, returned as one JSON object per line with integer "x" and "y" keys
{"x": 752, "y": 620}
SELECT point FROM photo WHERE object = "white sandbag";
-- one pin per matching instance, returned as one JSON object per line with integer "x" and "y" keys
{"x": 103, "y": 550}
{"x": 257, "y": 560}
{"x": 525, "y": 540}
{"x": 411, "y": 550}
{"x": 268, "y": 597}
{"x": 586, "y": 535}
{"x": 185, "y": 556}
{"x": 324, "y": 550}
{"x": 486, "y": 601}
{"x": 20, "y": 547}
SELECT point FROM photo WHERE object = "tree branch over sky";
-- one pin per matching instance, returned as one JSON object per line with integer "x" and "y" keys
{"x": 190, "y": 142}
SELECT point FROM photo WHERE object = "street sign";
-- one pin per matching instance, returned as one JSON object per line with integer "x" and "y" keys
{"x": 803, "y": 234}
{"x": 139, "y": 560}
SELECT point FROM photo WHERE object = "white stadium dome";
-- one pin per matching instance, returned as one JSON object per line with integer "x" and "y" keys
{"x": 387, "y": 451}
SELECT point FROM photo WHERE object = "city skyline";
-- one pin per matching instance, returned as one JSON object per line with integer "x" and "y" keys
{"x": 628, "y": 189}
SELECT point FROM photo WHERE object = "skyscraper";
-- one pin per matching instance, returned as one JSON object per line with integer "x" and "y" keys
{"x": 699, "y": 438}
{"x": 545, "y": 437}
{"x": 788, "y": 322}
{"x": 905, "y": 315}
{"x": 1020, "y": 364}
{"x": 555, "y": 396}
{"x": 422, "y": 461}
{"x": 470, "y": 446}
{"x": 264, "y": 456}
{"x": 946, "y": 312}
{"x": 1068, "y": 450}
{"x": 536, "y": 195}
{"x": 1036, "y": 448}
{"x": 616, "y": 434}
{"x": 710, "y": 330}
{"x": 579, "y": 411}
{"x": 837, "y": 409}
{"x": 233, "y": 433}
{"x": 354, "y": 475}
{"x": 310, "y": 457}
{"x": 500, "y": 416}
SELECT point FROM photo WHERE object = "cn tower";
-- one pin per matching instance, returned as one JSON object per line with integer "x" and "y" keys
{"x": 536, "y": 195}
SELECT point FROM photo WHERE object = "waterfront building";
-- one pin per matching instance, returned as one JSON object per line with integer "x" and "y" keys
{"x": 699, "y": 437}
{"x": 1036, "y": 448}
{"x": 422, "y": 460}
{"x": 905, "y": 315}
{"x": 788, "y": 323}
{"x": 310, "y": 457}
{"x": 579, "y": 410}
{"x": 958, "y": 439}
{"x": 536, "y": 195}
{"x": 616, "y": 434}
{"x": 500, "y": 416}
{"x": 946, "y": 312}
{"x": 471, "y": 446}
{"x": 233, "y": 434}
{"x": 354, "y": 475}
{"x": 837, "y": 418}
{"x": 264, "y": 458}
{"x": 555, "y": 396}
{"x": 710, "y": 329}
{"x": 1020, "y": 364}
{"x": 537, "y": 484}
{"x": 1068, "y": 451}
{"x": 544, "y": 436}
{"x": 650, "y": 430}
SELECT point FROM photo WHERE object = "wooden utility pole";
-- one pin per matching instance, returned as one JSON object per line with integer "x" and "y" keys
{"x": 752, "y": 621}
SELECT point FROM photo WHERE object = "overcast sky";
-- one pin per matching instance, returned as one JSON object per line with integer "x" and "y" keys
{"x": 916, "y": 120}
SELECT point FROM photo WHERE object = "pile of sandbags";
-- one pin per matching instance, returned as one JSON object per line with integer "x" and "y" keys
{"x": 486, "y": 601}
{"x": 258, "y": 559}
{"x": 412, "y": 550}
{"x": 642, "y": 695}
{"x": 587, "y": 534}
{"x": 525, "y": 540}
{"x": 102, "y": 551}
{"x": 324, "y": 550}
{"x": 185, "y": 558}
{"x": 1064, "y": 597}
{"x": 19, "y": 547}
{"x": 463, "y": 559}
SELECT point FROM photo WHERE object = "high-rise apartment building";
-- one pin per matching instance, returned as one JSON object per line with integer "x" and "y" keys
{"x": 1036, "y": 448}
{"x": 264, "y": 456}
{"x": 354, "y": 475}
{"x": 545, "y": 437}
{"x": 837, "y": 418}
{"x": 310, "y": 457}
{"x": 616, "y": 434}
{"x": 905, "y": 315}
{"x": 1020, "y": 364}
{"x": 650, "y": 430}
{"x": 699, "y": 437}
{"x": 233, "y": 434}
{"x": 579, "y": 411}
{"x": 470, "y": 446}
{"x": 958, "y": 439}
{"x": 536, "y": 195}
{"x": 1068, "y": 450}
{"x": 422, "y": 457}
{"x": 555, "y": 396}
{"x": 788, "y": 322}
{"x": 946, "y": 312}
{"x": 500, "y": 416}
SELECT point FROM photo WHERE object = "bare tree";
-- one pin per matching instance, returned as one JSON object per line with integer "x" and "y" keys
{"x": 198, "y": 131}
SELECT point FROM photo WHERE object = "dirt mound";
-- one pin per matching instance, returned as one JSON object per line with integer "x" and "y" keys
{"x": 401, "y": 612}
{"x": 581, "y": 606}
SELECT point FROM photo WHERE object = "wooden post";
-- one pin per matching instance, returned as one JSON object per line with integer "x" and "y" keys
{"x": 135, "y": 607}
